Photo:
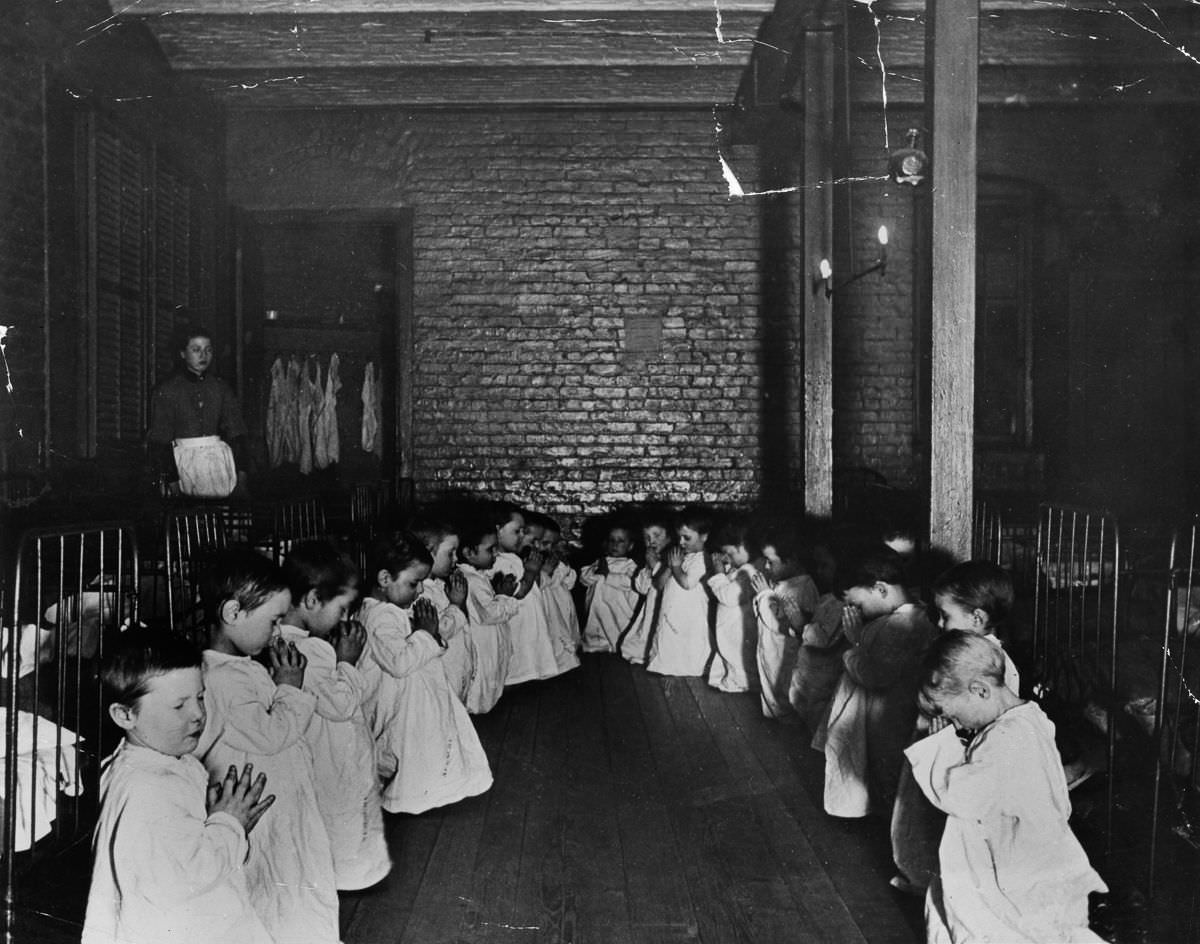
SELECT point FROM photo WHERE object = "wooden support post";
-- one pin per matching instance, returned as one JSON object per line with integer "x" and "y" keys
{"x": 818, "y": 245}
{"x": 952, "y": 50}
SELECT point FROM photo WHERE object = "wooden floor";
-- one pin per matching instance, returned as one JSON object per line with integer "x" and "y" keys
{"x": 629, "y": 807}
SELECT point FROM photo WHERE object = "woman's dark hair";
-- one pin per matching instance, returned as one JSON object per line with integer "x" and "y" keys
{"x": 185, "y": 334}
{"x": 140, "y": 654}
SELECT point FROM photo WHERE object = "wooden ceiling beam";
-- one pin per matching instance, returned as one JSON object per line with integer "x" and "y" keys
{"x": 340, "y": 7}
{"x": 473, "y": 87}
{"x": 616, "y": 39}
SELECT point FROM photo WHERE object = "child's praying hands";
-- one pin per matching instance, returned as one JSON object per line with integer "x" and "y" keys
{"x": 287, "y": 663}
{"x": 425, "y": 619}
{"x": 240, "y": 796}
{"x": 456, "y": 589}
{"x": 350, "y": 638}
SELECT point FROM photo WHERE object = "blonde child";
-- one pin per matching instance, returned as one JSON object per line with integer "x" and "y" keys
{"x": 734, "y": 665}
{"x": 534, "y": 655}
{"x": 260, "y": 717}
{"x": 324, "y": 585}
{"x": 974, "y": 597}
{"x": 658, "y": 537}
{"x": 681, "y": 642}
{"x": 1010, "y": 868}
{"x": 168, "y": 850}
{"x": 557, "y": 581}
{"x": 429, "y": 753}
{"x": 488, "y": 614}
{"x": 446, "y": 589}
{"x": 874, "y": 709}
{"x": 611, "y": 599}
{"x": 786, "y": 599}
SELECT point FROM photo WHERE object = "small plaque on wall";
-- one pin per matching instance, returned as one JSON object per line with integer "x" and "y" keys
{"x": 643, "y": 335}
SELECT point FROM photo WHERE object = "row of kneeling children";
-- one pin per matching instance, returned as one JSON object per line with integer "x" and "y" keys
{"x": 250, "y": 784}
{"x": 917, "y": 710}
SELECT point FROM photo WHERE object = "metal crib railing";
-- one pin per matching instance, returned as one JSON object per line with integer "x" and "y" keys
{"x": 1077, "y": 610}
{"x": 190, "y": 534}
{"x": 296, "y": 520}
{"x": 70, "y": 590}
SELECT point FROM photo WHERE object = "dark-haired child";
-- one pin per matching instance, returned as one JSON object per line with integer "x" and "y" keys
{"x": 975, "y": 597}
{"x": 259, "y": 717}
{"x": 658, "y": 537}
{"x": 1010, "y": 867}
{"x": 734, "y": 665}
{"x": 533, "y": 645}
{"x": 488, "y": 613}
{"x": 168, "y": 850}
{"x": 558, "y": 580}
{"x": 429, "y": 753}
{"x": 446, "y": 589}
{"x": 680, "y": 643}
{"x": 874, "y": 709}
{"x": 787, "y": 597}
{"x": 324, "y": 585}
{"x": 611, "y": 599}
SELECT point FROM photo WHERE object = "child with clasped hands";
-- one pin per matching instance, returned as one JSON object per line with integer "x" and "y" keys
{"x": 324, "y": 585}
{"x": 429, "y": 753}
{"x": 169, "y": 848}
{"x": 261, "y": 716}
{"x": 1010, "y": 867}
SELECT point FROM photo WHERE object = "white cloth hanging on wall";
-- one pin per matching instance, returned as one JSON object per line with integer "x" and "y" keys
{"x": 289, "y": 419}
{"x": 310, "y": 403}
{"x": 326, "y": 442}
{"x": 370, "y": 410}
{"x": 275, "y": 410}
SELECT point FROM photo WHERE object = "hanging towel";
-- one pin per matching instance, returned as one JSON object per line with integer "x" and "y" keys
{"x": 370, "y": 414}
{"x": 326, "y": 443}
{"x": 310, "y": 404}
{"x": 289, "y": 415}
{"x": 275, "y": 409}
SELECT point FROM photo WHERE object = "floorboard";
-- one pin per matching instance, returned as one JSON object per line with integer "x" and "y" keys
{"x": 630, "y": 808}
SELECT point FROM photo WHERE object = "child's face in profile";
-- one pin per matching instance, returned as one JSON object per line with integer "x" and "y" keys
{"x": 956, "y": 616}
{"x": 871, "y": 600}
{"x": 403, "y": 587}
{"x": 483, "y": 555}
{"x": 691, "y": 540}
{"x": 443, "y": 556}
{"x": 534, "y": 536}
{"x": 776, "y": 567}
{"x": 509, "y": 536}
{"x": 656, "y": 537}
{"x": 551, "y": 540}
{"x": 737, "y": 554}
{"x": 198, "y": 354}
{"x": 247, "y": 631}
{"x": 972, "y": 708}
{"x": 169, "y": 718}
{"x": 321, "y": 616}
{"x": 619, "y": 542}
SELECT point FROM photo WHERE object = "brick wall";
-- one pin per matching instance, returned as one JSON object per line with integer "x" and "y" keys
{"x": 537, "y": 236}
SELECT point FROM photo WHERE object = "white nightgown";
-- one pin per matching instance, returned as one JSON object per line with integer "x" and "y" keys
{"x": 561, "y": 616}
{"x": 681, "y": 643}
{"x": 343, "y": 753}
{"x": 290, "y": 869}
{"x": 429, "y": 753}
{"x": 636, "y": 638}
{"x": 735, "y": 667}
{"x": 1011, "y": 869}
{"x": 611, "y": 601}
{"x": 534, "y": 649}
{"x": 164, "y": 870}
{"x": 491, "y": 638}
{"x": 458, "y": 660}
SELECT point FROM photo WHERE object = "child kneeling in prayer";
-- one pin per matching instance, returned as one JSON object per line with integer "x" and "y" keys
{"x": 1011, "y": 869}
{"x": 169, "y": 849}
